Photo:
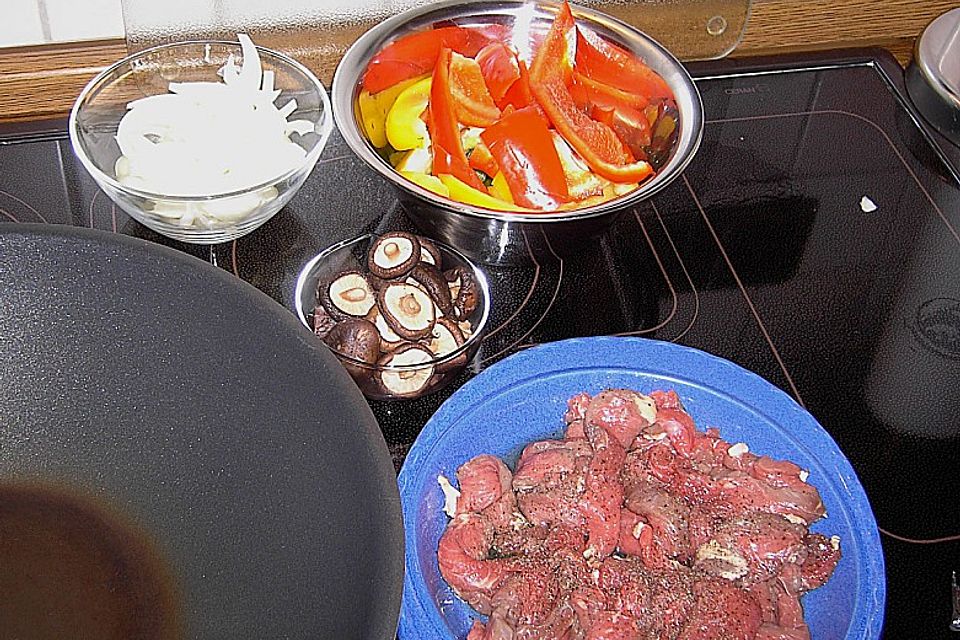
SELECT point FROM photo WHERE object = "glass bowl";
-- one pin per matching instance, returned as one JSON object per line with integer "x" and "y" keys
{"x": 198, "y": 214}
{"x": 377, "y": 377}
{"x": 498, "y": 237}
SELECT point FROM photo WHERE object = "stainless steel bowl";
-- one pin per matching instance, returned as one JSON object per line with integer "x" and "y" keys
{"x": 496, "y": 237}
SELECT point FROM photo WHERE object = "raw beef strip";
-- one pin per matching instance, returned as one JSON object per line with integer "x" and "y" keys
{"x": 603, "y": 496}
{"x": 751, "y": 548}
{"x": 622, "y": 412}
{"x": 550, "y": 480}
{"x": 722, "y": 612}
{"x": 463, "y": 559}
{"x": 486, "y": 486}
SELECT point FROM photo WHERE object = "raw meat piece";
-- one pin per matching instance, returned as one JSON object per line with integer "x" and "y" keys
{"x": 603, "y": 497}
{"x": 636, "y": 474}
{"x": 486, "y": 487}
{"x": 636, "y": 536}
{"x": 550, "y": 480}
{"x": 823, "y": 554}
{"x": 587, "y": 602}
{"x": 679, "y": 427}
{"x": 622, "y": 412}
{"x": 577, "y": 407}
{"x": 483, "y": 480}
{"x": 666, "y": 399}
{"x": 751, "y": 548}
{"x": 779, "y": 600}
{"x": 659, "y": 600}
{"x": 775, "y": 632}
{"x": 462, "y": 556}
{"x": 611, "y": 625}
{"x": 527, "y": 597}
{"x": 667, "y": 516}
{"x": 496, "y": 628}
{"x": 722, "y": 612}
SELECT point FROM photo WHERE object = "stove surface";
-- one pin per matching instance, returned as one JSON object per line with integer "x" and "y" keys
{"x": 815, "y": 240}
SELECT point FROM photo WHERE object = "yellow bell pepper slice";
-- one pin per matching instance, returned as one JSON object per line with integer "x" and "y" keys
{"x": 373, "y": 110}
{"x": 462, "y": 192}
{"x": 427, "y": 181}
{"x": 500, "y": 189}
{"x": 405, "y": 128}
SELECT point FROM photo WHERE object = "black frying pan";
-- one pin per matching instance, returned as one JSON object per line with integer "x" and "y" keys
{"x": 200, "y": 410}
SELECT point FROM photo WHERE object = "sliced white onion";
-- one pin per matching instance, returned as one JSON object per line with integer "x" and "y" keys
{"x": 205, "y": 138}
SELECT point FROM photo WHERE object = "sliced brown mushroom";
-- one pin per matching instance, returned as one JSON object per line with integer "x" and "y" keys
{"x": 408, "y": 310}
{"x": 446, "y": 338}
{"x": 466, "y": 328}
{"x": 389, "y": 340}
{"x": 429, "y": 253}
{"x": 392, "y": 255}
{"x": 467, "y": 296}
{"x": 322, "y": 322}
{"x": 357, "y": 339}
{"x": 348, "y": 295}
{"x": 400, "y": 375}
{"x": 453, "y": 282}
{"x": 432, "y": 281}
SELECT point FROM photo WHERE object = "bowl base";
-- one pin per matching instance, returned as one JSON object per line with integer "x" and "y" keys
{"x": 508, "y": 243}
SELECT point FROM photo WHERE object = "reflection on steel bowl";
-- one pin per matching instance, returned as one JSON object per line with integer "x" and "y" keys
{"x": 403, "y": 314}
{"x": 429, "y": 100}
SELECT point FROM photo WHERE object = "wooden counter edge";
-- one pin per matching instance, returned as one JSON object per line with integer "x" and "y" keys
{"x": 42, "y": 82}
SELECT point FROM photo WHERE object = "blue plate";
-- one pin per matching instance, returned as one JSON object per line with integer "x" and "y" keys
{"x": 523, "y": 398}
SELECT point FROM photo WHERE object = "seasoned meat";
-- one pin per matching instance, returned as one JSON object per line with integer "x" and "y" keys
{"x": 667, "y": 515}
{"x": 823, "y": 554}
{"x": 752, "y": 547}
{"x": 622, "y": 413}
{"x": 550, "y": 480}
{"x": 464, "y": 563}
{"x": 776, "y": 632}
{"x": 658, "y": 600}
{"x": 603, "y": 496}
{"x": 613, "y": 625}
{"x": 722, "y": 612}
{"x": 486, "y": 487}
{"x": 636, "y": 526}
{"x": 577, "y": 408}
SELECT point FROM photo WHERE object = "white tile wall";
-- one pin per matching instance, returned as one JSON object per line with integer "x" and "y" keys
{"x": 84, "y": 19}
{"x": 21, "y": 24}
{"x": 41, "y": 21}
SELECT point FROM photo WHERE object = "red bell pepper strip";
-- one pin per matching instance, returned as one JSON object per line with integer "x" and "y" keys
{"x": 630, "y": 126}
{"x": 596, "y": 143}
{"x": 614, "y": 110}
{"x": 416, "y": 54}
{"x": 472, "y": 101}
{"x": 605, "y": 62}
{"x": 523, "y": 148}
{"x": 587, "y": 90}
{"x": 500, "y": 68}
{"x": 519, "y": 94}
{"x": 448, "y": 154}
{"x": 482, "y": 160}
